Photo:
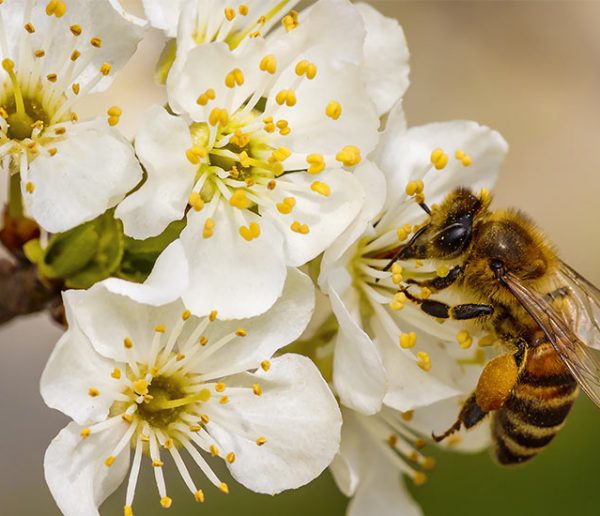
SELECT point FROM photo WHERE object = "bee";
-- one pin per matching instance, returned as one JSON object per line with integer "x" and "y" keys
{"x": 545, "y": 313}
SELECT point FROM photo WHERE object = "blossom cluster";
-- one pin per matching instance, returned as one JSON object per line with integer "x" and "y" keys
{"x": 189, "y": 259}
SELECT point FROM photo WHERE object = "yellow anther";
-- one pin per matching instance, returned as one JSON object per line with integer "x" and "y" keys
{"x": 241, "y": 332}
{"x": 204, "y": 395}
{"x": 244, "y": 159}
{"x": 428, "y": 463}
{"x": 224, "y": 400}
{"x": 166, "y": 502}
{"x": 214, "y": 451}
{"x": 307, "y": 68}
{"x": 209, "y": 226}
{"x": 154, "y": 371}
{"x": 392, "y": 440}
{"x": 408, "y": 340}
{"x": 419, "y": 478}
{"x": 218, "y": 116}
{"x": 56, "y": 8}
{"x": 213, "y": 315}
{"x": 486, "y": 340}
{"x": 423, "y": 360}
{"x": 93, "y": 392}
{"x": 74, "y": 117}
{"x": 321, "y": 188}
{"x": 398, "y": 302}
{"x": 168, "y": 444}
{"x": 204, "y": 419}
{"x": 219, "y": 387}
{"x": 76, "y": 30}
{"x": 127, "y": 510}
{"x": 397, "y": 279}
{"x": 443, "y": 271}
{"x": 261, "y": 440}
{"x": 179, "y": 357}
{"x": 29, "y": 187}
{"x": 333, "y": 110}
{"x": 114, "y": 111}
{"x": 160, "y": 328}
{"x": 271, "y": 184}
{"x": 195, "y": 428}
{"x": 234, "y": 78}
{"x": 128, "y": 418}
{"x": 240, "y": 139}
{"x": 52, "y": 151}
{"x": 268, "y": 64}
{"x": 243, "y": 9}
{"x": 466, "y": 161}
{"x": 464, "y": 339}
{"x": 402, "y": 234}
{"x": 76, "y": 88}
{"x": 459, "y": 154}
{"x": 196, "y": 153}
{"x": 39, "y": 53}
{"x": 439, "y": 158}
{"x": 408, "y": 415}
{"x": 415, "y": 187}
{"x": 127, "y": 343}
{"x": 85, "y": 433}
{"x": 316, "y": 163}
{"x": 287, "y": 97}
{"x": 140, "y": 387}
{"x": 157, "y": 463}
{"x": 199, "y": 496}
{"x": 202, "y": 341}
{"x": 349, "y": 156}
{"x": 280, "y": 154}
{"x": 75, "y": 55}
{"x": 285, "y": 207}
{"x": 29, "y": 28}
{"x": 145, "y": 438}
{"x": 8, "y": 64}
{"x": 105, "y": 69}
{"x": 205, "y": 97}
{"x": 186, "y": 315}
{"x": 224, "y": 487}
{"x": 230, "y": 457}
{"x": 302, "y": 229}
{"x": 290, "y": 21}
{"x": 257, "y": 389}
{"x": 113, "y": 120}
{"x": 109, "y": 461}
{"x": 284, "y": 131}
{"x": 229, "y": 13}
{"x": 240, "y": 200}
{"x": 265, "y": 365}
{"x": 397, "y": 268}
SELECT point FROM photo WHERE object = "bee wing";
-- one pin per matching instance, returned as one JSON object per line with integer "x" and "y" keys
{"x": 583, "y": 304}
{"x": 582, "y": 361}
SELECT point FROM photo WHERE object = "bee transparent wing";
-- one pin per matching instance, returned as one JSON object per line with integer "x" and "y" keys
{"x": 582, "y": 361}
{"x": 583, "y": 302}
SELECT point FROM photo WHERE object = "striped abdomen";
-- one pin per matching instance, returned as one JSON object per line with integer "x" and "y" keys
{"x": 536, "y": 408}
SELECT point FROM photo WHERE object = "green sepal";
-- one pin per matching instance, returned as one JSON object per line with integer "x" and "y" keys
{"x": 70, "y": 251}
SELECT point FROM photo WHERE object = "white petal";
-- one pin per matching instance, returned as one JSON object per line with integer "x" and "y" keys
{"x": 167, "y": 281}
{"x": 405, "y": 156}
{"x": 298, "y": 416}
{"x": 160, "y": 145}
{"x": 353, "y": 458}
{"x": 92, "y": 171}
{"x": 358, "y": 372}
{"x": 326, "y": 217}
{"x": 75, "y": 471}
{"x": 385, "y": 66}
{"x": 72, "y": 369}
{"x": 164, "y": 15}
{"x": 281, "y": 324}
{"x": 238, "y": 278}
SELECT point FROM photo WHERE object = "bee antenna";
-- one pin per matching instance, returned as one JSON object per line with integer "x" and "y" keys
{"x": 425, "y": 208}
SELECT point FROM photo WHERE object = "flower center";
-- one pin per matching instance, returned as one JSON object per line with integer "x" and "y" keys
{"x": 160, "y": 411}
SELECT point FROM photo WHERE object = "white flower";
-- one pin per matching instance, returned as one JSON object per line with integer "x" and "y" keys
{"x": 161, "y": 382}
{"x": 54, "y": 54}
{"x": 257, "y": 156}
{"x": 376, "y": 450}
{"x": 387, "y": 349}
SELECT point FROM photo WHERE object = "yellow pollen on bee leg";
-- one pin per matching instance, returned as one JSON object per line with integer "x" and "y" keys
{"x": 423, "y": 360}
{"x": 408, "y": 340}
{"x": 349, "y": 156}
{"x": 443, "y": 271}
{"x": 287, "y": 97}
{"x": 316, "y": 163}
{"x": 321, "y": 188}
{"x": 333, "y": 110}
{"x": 302, "y": 229}
{"x": 29, "y": 187}
{"x": 268, "y": 64}
{"x": 209, "y": 226}
{"x": 464, "y": 339}
{"x": 439, "y": 158}
{"x": 166, "y": 502}
{"x": 234, "y": 78}
{"x": 199, "y": 496}
{"x": 398, "y": 302}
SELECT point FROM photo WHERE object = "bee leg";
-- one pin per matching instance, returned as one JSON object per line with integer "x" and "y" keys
{"x": 470, "y": 414}
{"x": 441, "y": 310}
{"x": 438, "y": 283}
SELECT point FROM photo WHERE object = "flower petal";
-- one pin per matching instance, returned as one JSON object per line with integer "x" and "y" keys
{"x": 298, "y": 416}
{"x": 236, "y": 277}
{"x": 167, "y": 281}
{"x": 325, "y": 216}
{"x": 75, "y": 471}
{"x": 358, "y": 372}
{"x": 160, "y": 145}
{"x": 92, "y": 171}
{"x": 72, "y": 369}
{"x": 385, "y": 66}
{"x": 164, "y": 15}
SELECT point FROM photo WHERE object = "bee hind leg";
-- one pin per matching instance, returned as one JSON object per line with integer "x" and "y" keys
{"x": 470, "y": 414}
{"x": 444, "y": 311}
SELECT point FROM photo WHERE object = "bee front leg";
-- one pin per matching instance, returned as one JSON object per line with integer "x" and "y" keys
{"x": 470, "y": 414}
{"x": 441, "y": 310}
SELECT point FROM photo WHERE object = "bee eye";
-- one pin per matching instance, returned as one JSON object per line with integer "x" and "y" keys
{"x": 453, "y": 239}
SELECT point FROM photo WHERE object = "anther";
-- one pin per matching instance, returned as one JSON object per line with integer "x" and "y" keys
{"x": 199, "y": 496}
{"x": 398, "y": 302}
{"x": 209, "y": 226}
{"x": 439, "y": 158}
{"x": 302, "y": 229}
{"x": 261, "y": 441}
{"x": 349, "y": 156}
{"x": 419, "y": 478}
{"x": 290, "y": 21}
{"x": 75, "y": 55}
{"x": 257, "y": 389}
{"x": 464, "y": 339}
{"x": 214, "y": 451}
{"x": 39, "y": 53}
{"x": 127, "y": 343}
{"x": 29, "y": 187}
{"x": 218, "y": 116}
{"x": 268, "y": 64}
{"x": 243, "y": 10}
{"x": 166, "y": 502}
{"x": 240, "y": 200}
{"x": 333, "y": 110}
{"x": 307, "y": 68}
{"x": 265, "y": 365}
{"x": 29, "y": 28}
{"x": 229, "y": 13}
{"x": 160, "y": 328}
{"x": 230, "y": 457}
{"x": 76, "y": 88}
{"x": 85, "y": 433}
{"x": 76, "y": 30}
{"x": 423, "y": 360}
{"x": 96, "y": 42}
{"x": 241, "y": 332}
{"x": 205, "y": 97}
{"x": 321, "y": 188}
{"x": 224, "y": 487}
{"x": 93, "y": 392}
{"x": 110, "y": 461}
{"x": 443, "y": 271}
{"x": 213, "y": 315}
{"x": 408, "y": 340}
{"x": 105, "y": 69}
{"x": 233, "y": 78}
{"x": 219, "y": 387}
{"x": 287, "y": 97}
{"x": 285, "y": 207}
{"x": 56, "y": 8}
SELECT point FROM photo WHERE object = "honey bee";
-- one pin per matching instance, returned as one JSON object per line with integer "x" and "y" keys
{"x": 518, "y": 290}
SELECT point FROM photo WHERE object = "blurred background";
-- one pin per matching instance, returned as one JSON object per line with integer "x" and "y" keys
{"x": 531, "y": 70}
